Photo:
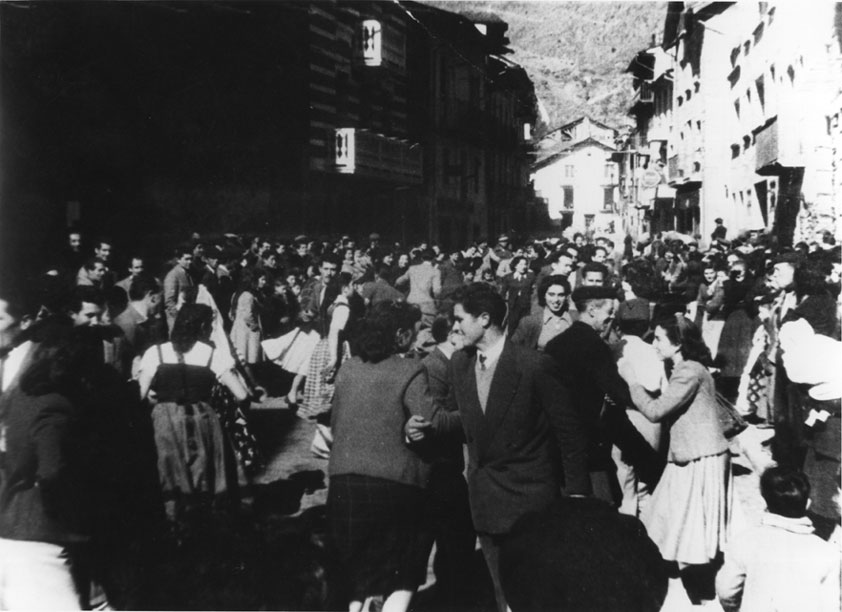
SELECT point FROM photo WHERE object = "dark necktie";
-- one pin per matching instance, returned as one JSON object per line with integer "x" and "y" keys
{"x": 482, "y": 359}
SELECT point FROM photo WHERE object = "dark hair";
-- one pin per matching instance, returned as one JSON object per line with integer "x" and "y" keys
{"x": 103, "y": 240}
{"x": 785, "y": 491}
{"x": 640, "y": 274}
{"x": 549, "y": 281}
{"x": 479, "y": 298}
{"x": 344, "y": 279}
{"x": 331, "y": 259}
{"x": 84, "y": 294}
{"x": 633, "y": 327}
{"x": 556, "y": 255}
{"x": 116, "y": 300}
{"x": 191, "y": 325}
{"x": 440, "y": 329}
{"x": 515, "y": 261}
{"x": 376, "y": 336}
{"x": 91, "y": 262}
{"x": 811, "y": 277}
{"x": 183, "y": 249}
{"x": 64, "y": 359}
{"x": 682, "y": 332}
{"x": 383, "y": 270}
{"x": 428, "y": 255}
{"x": 595, "y": 267}
{"x": 142, "y": 285}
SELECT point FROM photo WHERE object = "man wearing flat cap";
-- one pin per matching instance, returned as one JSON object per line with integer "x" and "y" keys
{"x": 586, "y": 365}
{"x": 719, "y": 232}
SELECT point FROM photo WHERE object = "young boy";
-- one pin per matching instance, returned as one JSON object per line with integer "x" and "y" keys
{"x": 780, "y": 565}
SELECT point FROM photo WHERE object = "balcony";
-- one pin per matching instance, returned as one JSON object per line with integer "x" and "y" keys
{"x": 768, "y": 150}
{"x": 367, "y": 154}
{"x": 674, "y": 173}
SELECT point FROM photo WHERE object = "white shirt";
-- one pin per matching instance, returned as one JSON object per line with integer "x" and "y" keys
{"x": 491, "y": 355}
{"x": 220, "y": 362}
{"x": 13, "y": 362}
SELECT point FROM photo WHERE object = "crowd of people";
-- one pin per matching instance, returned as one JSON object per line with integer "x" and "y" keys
{"x": 519, "y": 394}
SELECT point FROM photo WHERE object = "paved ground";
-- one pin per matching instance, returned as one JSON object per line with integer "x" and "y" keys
{"x": 287, "y": 440}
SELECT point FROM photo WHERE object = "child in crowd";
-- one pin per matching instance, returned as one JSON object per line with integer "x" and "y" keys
{"x": 780, "y": 565}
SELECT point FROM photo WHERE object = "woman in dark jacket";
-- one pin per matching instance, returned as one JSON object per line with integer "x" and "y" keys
{"x": 377, "y": 482}
{"x": 741, "y": 321}
{"x": 517, "y": 290}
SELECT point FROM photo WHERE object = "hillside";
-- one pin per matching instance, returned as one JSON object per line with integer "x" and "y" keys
{"x": 575, "y": 52}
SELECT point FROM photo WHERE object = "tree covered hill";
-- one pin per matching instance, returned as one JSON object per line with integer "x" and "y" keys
{"x": 575, "y": 52}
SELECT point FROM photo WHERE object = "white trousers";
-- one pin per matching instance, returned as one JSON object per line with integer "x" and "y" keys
{"x": 35, "y": 576}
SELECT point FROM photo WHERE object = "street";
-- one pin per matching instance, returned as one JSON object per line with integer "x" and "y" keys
{"x": 292, "y": 489}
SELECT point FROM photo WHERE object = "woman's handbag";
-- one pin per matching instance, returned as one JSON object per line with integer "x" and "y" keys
{"x": 729, "y": 419}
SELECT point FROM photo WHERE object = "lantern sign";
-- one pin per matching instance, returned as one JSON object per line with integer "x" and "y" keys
{"x": 372, "y": 41}
{"x": 651, "y": 178}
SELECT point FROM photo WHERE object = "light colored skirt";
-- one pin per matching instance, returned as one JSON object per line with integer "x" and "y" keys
{"x": 711, "y": 332}
{"x": 689, "y": 514}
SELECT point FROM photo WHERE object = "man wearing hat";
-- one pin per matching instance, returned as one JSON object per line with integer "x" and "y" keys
{"x": 500, "y": 252}
{"x": 719, "y": 232}
{"x": 585, "y": 363}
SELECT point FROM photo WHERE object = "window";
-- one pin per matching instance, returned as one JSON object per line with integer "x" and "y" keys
{"x": 737, "y": 108}
{"x": 735, "y": 151}
{"x": 372, "y": 41}
{"x": 746, "y": 47}
{"x": 735, "y": 53}
{"x": 761, "y": 92}
{"x": 697, "y": 86}
{"x": 569, "y": 171}
{"x": 758, "y": 33}
{"x": 746, "y": 142}
{"x": 608, "y": 199}
{"x": 568, "y": 197}
{"x": 589, "y": 219}
{"x": 771, "y": 15}
{"x": 609, "y": 170}
{"x": 688, "y": 94}
{"x": 680, "y": 100}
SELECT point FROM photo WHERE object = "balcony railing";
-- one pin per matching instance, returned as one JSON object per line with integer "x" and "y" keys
{"x": 372, "y": 155}
{"x": 674, "y": 172}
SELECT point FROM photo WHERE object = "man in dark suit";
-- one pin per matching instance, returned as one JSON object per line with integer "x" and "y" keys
{"x": 585, "y": 363}
{"x": 328, "y": 269}
{"x": 516, "y": 416}
{"x": 448, "y": 513}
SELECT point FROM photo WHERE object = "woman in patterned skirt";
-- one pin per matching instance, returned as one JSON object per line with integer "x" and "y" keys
{"x": 178, "y": 378}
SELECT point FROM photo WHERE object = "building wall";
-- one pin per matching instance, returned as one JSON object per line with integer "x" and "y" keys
{"x": 588, "y": 171}
{"x": 748, "y": 132}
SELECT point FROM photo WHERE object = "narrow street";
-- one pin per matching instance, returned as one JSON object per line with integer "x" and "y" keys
{"x": 293, "y": 487}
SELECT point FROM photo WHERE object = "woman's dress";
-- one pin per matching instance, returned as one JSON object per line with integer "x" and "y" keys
{"x": 188, "y": 436}
{"x": 688, "y": 516}
{"x": 245, "y": 331}
{"x": 318, "y": 389}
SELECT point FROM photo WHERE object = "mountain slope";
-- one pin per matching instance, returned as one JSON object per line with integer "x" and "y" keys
{"x": 575, "y": 52}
